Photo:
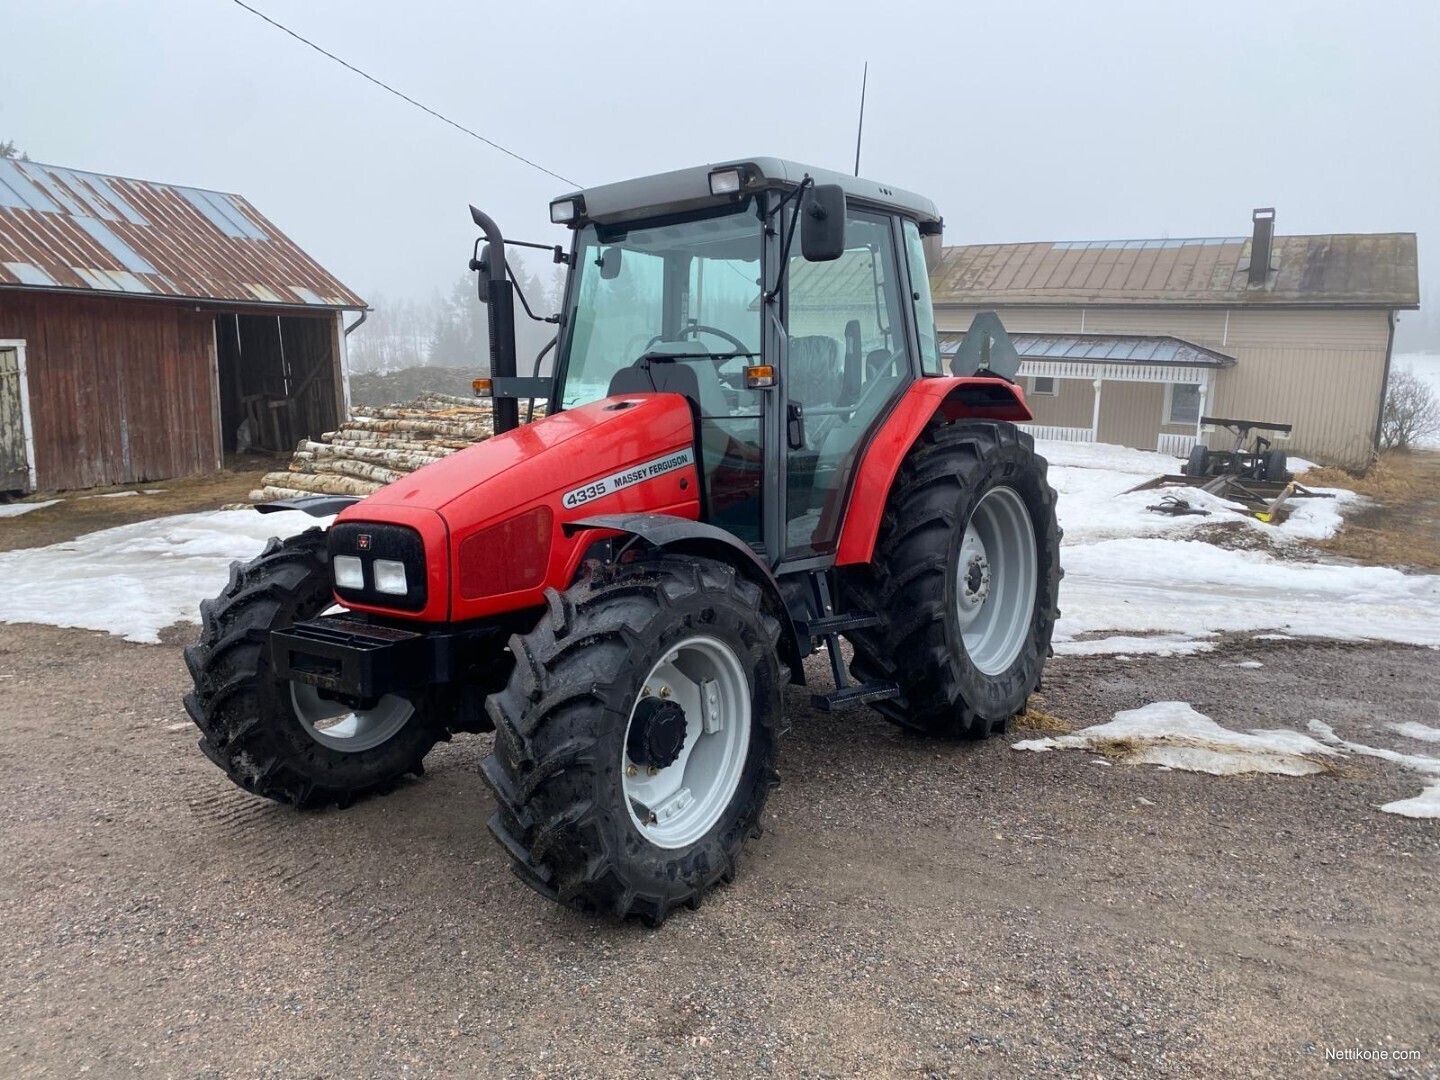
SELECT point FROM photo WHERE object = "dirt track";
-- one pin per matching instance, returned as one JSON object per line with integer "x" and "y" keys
{"x": 914, "y": 909}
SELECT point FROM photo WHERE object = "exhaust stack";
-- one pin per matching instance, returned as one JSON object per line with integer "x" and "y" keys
{"x": 1260, "y": 244}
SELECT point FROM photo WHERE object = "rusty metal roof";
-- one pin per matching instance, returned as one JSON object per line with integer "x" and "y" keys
{"x": 1106, "y": 349}
{"x": 66, "y": 229}
{"x": 1345, "y": 269}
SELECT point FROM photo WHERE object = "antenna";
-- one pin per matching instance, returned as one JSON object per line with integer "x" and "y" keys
{"x": 860, "y": 131}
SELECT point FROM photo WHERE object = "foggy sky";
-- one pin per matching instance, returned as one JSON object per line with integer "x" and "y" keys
{"x": 1040, "y": 120}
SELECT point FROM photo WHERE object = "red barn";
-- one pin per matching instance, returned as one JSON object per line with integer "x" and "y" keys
{"x": 143, "y": 325}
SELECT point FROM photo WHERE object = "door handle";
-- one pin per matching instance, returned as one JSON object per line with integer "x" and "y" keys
{"x": 795, "y": 425}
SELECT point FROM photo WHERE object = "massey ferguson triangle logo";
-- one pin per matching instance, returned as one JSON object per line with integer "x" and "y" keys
{"x": 363, "y": 543}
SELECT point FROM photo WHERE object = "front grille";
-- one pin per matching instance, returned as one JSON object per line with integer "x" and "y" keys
{"x": 370, "y": 541}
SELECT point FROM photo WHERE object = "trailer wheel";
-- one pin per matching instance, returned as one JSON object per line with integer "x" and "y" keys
{"x": 1276, "y": 466}
{"x": 1198, "y": 464}
{"x": 280, "y": 739}
{"x": 633, "y": 745}
{"x": 965, "y": 579}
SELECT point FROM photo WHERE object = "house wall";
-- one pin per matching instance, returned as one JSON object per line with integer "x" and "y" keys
{"x": 121, "y": 391}
{"x": 1321, "y": 370}
{"x": 1073, "y": 404}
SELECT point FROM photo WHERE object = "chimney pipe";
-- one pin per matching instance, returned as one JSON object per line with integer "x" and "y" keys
{"x": 1264, "y": 219}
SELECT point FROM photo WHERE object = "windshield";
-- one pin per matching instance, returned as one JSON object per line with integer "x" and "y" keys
{"x": 688, "y": 287}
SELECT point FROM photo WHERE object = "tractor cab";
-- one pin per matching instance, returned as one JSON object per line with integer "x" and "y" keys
{"x": 788, "y": 304}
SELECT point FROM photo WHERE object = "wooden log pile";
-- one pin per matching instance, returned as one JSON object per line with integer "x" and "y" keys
{"x": 378, "y": 445}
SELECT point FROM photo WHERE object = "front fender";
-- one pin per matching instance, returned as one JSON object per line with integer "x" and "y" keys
{"x": 666, "y": 532}
{"x": 962, "y": 398}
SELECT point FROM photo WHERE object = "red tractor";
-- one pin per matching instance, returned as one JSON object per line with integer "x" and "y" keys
{"x": 752, "y": 450}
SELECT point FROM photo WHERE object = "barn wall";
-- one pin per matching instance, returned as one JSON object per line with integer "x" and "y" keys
{"x": 120, "y": 390}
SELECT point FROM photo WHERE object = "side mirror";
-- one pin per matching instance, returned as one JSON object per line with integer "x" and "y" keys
{"x": 610, "y": 263}
{"x": 822, "y": 223}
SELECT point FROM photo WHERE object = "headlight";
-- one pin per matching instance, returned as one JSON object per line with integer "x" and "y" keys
{"x": 390, "y": 577}
{"x": 349, "y": 572}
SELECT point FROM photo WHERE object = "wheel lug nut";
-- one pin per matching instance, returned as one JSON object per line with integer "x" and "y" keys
{"x": 664, "y": 691}
{"x": 631, "y": 770}
{"x": 650, "y": 770}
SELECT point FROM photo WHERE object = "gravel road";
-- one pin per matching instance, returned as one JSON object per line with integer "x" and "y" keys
{"x": 914, "y": 909}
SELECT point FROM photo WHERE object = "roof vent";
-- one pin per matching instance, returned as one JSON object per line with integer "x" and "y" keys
{"x": 1264, "y": 219}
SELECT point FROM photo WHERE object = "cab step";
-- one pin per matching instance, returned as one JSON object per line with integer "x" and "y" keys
{"x": 849, "y": 697}
{"x": 828, "y": 625}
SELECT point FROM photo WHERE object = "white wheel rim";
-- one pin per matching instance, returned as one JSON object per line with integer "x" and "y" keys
{"x": 996, "y": 580}
{"x": 339, "y": 727}
{"x": 674, "y": 806}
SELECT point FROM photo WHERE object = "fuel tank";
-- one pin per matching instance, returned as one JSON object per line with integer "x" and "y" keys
{"x": 490, "y": 519}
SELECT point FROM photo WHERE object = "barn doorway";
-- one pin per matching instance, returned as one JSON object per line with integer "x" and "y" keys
{"x": 15, "y": 470}
{"x": 277, "y": 380}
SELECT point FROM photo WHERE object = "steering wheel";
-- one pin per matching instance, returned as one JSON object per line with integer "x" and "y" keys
{"x": 697, "y": 328}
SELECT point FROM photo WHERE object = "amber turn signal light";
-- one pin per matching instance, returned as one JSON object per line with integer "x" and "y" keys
{"x": 759, "y": 377}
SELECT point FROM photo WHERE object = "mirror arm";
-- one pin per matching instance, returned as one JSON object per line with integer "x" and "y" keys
{"x": 789, "y": 236}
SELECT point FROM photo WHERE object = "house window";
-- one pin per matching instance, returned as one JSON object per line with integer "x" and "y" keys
{"x": 1183, "y": 403}
{"x": 1042, "y": 386}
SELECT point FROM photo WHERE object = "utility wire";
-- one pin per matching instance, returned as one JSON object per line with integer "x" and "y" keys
{"x": 403, "y": 96}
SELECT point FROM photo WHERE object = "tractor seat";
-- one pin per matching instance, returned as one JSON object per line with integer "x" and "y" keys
{"x": 815, "y": 375}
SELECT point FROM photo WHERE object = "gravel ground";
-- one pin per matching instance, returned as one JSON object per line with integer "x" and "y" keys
{"x": 914, "y": 909}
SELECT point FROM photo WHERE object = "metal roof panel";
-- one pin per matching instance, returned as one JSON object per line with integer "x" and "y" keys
{"x": 63, "y": 228}
{"x": 1343, "y": 269}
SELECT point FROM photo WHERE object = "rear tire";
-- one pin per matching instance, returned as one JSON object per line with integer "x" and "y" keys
{"x": 934, "y": 587}
{"x": 564, "y": 772}
{"x": 1276, "y": 466}
{"x": 1198, "y": 464}
{"x": 253, "y": 724}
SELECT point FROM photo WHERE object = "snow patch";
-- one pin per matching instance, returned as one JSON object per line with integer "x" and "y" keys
{"x": 1245, "y": 664}
{"x": 137, "y": 579}
{"x": 16, "y": 509}
{"x": 1424, "y": 805}
{"x": 1411, "y": 730}
{"x": 1173, "y": 734}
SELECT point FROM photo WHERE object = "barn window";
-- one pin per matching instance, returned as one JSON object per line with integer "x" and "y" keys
{"x": 1042, "y": 386}
{"x": 1183, "y": 405}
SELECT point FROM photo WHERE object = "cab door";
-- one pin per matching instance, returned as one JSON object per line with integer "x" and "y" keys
{"x": 849, "y": 357}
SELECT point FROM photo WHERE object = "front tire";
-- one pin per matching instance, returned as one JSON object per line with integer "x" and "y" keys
{"x": 611, "y": 799}
{"x": 280, "y": 739}
{"x": 965, "y": 579}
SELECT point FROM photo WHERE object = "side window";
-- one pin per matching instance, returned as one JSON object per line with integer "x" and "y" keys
{"x": 847, "y": 360}
{"x": 930, "y": 361}
{"x": 1184, "y": 406}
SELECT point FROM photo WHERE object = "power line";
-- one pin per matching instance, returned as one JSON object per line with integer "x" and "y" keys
{"x": 402, "y": 96}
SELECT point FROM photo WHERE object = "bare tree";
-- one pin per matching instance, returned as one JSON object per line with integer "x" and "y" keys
{"x": 1412, "y": 412}
{"x": 8, "y": 149}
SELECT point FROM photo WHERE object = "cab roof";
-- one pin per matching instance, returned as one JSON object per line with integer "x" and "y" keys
{"x": 686, "y": 190}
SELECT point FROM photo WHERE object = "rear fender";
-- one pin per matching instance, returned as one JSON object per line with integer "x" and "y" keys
{"x": 952, "y": 398}
{"x": 666, "y": 532}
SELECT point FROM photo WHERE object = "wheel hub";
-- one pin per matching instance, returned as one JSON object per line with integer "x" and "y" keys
{"x": 977, "y": 578}
{"x": 657, "y": 733}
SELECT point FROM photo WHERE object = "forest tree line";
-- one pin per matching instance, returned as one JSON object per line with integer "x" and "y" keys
{"x": 450, "y": 329}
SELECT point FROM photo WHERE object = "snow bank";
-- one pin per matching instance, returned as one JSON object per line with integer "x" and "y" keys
{"x": 1173, "y": 735}
{"x": 1195, "y": 590}
{"x": 137, "y": 579}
